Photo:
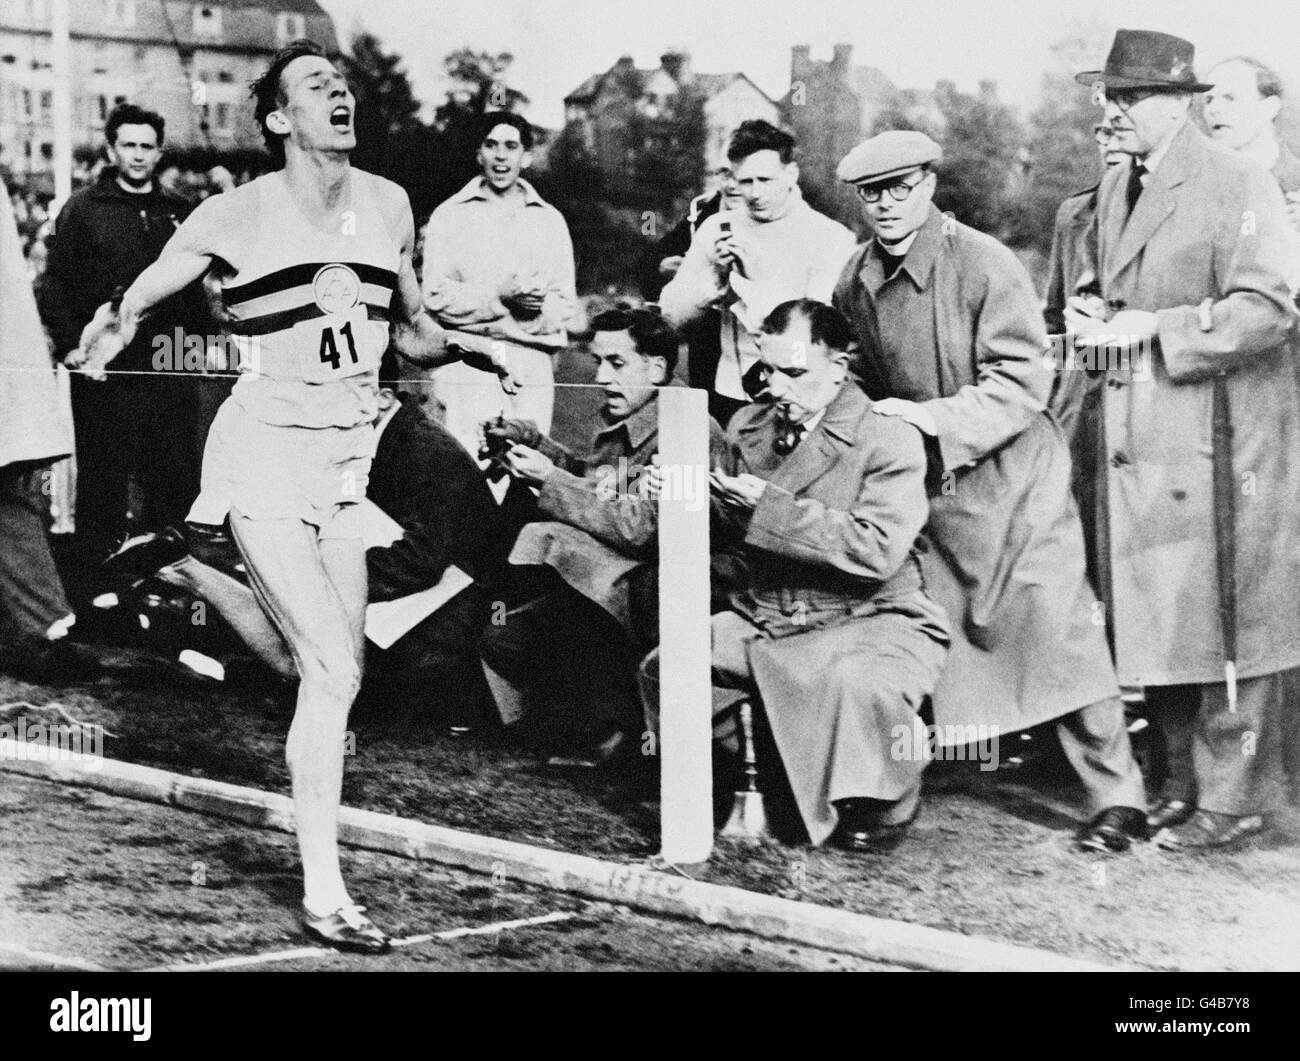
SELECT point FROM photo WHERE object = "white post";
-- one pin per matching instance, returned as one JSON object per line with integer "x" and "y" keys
{"x": 685, "y": 697}
{"x": 61, "y": 64}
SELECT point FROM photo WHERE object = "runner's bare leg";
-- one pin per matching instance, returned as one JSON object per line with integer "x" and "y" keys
{"x": 315, "y": 593}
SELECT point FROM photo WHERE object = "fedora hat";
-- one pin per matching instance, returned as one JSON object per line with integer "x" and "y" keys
{"x": 1142, "y": 58}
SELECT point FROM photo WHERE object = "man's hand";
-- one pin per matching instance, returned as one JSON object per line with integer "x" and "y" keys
{"x": 1126, "y": 328}
{"x": 528, "y": 464}
{"x": 914, "y": 413}
{"x": 106, "y": 336}
{"x": 741, "y": 491}
{"x": 731, "y": 251}
{"x": 722, "y": 256}
{"x": 525, "y": 294}
{"x": 496, "y": 436}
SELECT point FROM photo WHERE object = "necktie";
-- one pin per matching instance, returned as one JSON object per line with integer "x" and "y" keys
{"x": 1134, "y": 189}
{"x": 787, "y": 437}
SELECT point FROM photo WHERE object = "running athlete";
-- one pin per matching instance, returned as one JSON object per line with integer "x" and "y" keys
{"x": 313, "y": 263}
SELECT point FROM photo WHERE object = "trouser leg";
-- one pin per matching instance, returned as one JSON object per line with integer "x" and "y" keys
{"x": 1237, "y": 756}
{"x": 1290, "y": 724}
{"x": 1095, "y": 740}
{"x": 104, "y": 455}
{"x": 1173, "y": 709}
{"x": 166, "y": 462}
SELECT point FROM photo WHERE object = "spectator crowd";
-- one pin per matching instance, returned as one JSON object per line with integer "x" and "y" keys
{"x": 936, "y": 500}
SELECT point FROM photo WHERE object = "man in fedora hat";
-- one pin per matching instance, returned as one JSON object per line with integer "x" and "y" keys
{"x": 1202, "y": 424}
{"x": 951, "y": 339}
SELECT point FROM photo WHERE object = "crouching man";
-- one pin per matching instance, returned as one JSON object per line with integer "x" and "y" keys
{"x": 584, "y": 607}
{"x": 834, "y": 637}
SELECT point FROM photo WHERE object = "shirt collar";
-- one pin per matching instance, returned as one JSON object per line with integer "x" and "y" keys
{"x": 811, "y": 423}
{"x": 1153, "y": 160}
{"x": 641, "y": 426}
{"x": 477, "y": 189}
{"x": 918, "y": 262}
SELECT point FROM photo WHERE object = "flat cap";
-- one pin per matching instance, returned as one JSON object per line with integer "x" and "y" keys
{"x": 886, "y": 155}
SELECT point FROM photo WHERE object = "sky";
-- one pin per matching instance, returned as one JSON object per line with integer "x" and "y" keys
{"x": 558, "y": 43}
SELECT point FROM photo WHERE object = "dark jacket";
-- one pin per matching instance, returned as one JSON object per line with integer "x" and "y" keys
{"x": 103, "y": 239}
{"x": 425, "y": 480}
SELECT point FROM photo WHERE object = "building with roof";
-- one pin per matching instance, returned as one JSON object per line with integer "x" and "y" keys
{"x": 598, "y": 111}
{"x": 190, "y": 62}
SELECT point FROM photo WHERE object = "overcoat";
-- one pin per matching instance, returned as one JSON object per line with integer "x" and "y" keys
{"x": 850, "y": 643}
{"x": 1077, "y": 389}
{"x": 960, "y": 331}
{"x": 1209, "y": 225}
{"x": 34, "y": 424}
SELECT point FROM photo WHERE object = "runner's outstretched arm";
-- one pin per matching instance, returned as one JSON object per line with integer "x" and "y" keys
{"x": 416, "y": 335}
{"x": 185, "y": 258}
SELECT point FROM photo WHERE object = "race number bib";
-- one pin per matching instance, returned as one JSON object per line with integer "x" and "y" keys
{"x": 341, "y": 343}
{"x": 335, "y": 347}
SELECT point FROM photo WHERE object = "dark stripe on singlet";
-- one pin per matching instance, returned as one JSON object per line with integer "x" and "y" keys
{"x": 299, "y": 275}
{"x": 275, "y": 322}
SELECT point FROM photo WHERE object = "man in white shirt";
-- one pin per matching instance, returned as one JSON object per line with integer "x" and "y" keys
{"x": 749, "y": 261}
{"x": 499, "y": 275}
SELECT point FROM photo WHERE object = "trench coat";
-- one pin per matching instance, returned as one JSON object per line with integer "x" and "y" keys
{"x": 850, "y": 643}
{"x": 1076, "y": 396}
{"x": 1007, "y": 556}
{"x": 1209, "y": 225}
{"x": 35, "y": 425}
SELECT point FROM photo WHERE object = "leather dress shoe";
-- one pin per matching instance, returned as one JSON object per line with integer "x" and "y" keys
{"x": 145, "y": 555}
{"x": 861, "y": 831}
{"x": 1168, "y": 813}
{"x": 1114, "y": 830}
{"x": 1208, "y": 830}
{"x": 347, "y": 929}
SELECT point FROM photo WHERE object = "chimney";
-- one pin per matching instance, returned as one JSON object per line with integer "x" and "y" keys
{"x": 840, "y": 57}
{"x": 677, "y": 64}
{"x": 799, "y": 62}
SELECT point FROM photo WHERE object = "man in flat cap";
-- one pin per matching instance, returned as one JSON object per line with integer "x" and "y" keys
{"x": 951, "y": 339}
{"x": 1202, "y": 423}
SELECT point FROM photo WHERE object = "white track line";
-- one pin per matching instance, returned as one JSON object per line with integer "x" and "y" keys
{"x": 318, "y": 952}
{"x": 52, "y": 959}
{"x": 483, "y": 930}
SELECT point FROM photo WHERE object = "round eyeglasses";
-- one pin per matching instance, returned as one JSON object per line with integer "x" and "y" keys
{"x": 898, "y": 191}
